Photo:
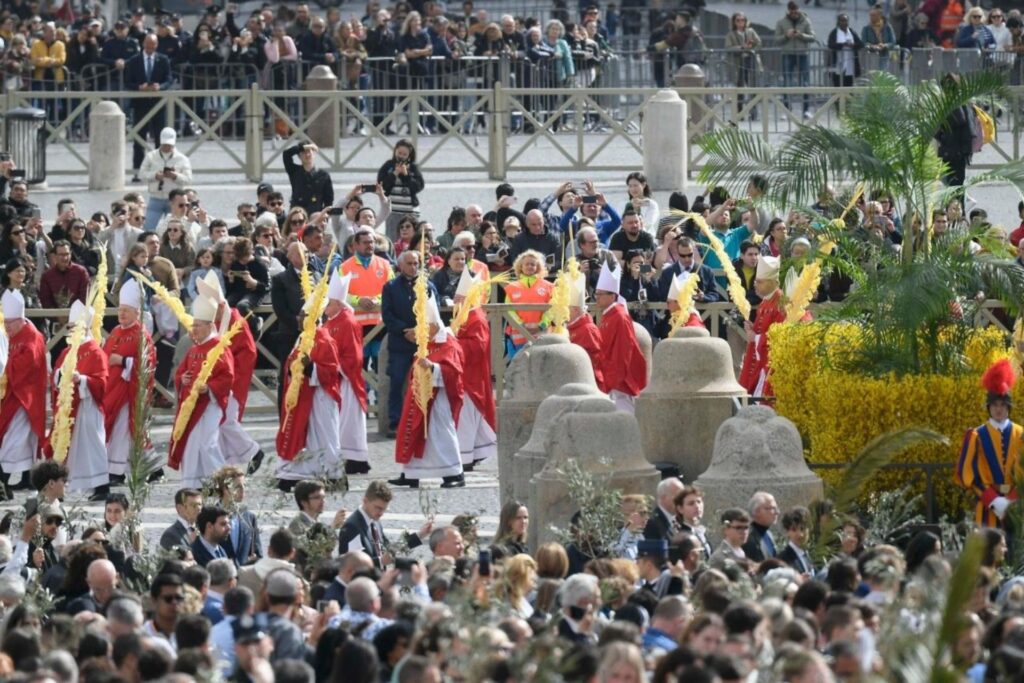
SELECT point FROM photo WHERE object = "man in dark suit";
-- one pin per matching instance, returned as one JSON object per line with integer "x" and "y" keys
{"x": 243, "y": 541}
{"x": 764, "y": 512}
{"x": 287, "y": 300}
{"x": 351, "y": 563}
{"x": 662, "y": 524}
{"x": 213, "y": 531}
{"x": 396, "y": 310}
{"x": 707, "y": 292}
{"x": 363, "y": 530}
{"x": 797, "y": 523}
{"x": 187, "y": 503}
{"x": 147, "y": 71}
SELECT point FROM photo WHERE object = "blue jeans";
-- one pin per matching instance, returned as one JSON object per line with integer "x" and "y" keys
{"x": 155, "y": 210}
{"x": 399, "y": 365}
{"x": 796, "y": 72}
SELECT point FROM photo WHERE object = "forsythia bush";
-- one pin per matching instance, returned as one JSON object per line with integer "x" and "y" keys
{"x": 838, "y": 411}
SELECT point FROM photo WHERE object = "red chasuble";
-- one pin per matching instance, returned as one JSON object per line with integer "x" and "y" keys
{"x": 124, "y": 341}
{"x": 622, "y": 362}
{"x": 769, "y": 312}
{"x": 243, "y": 352}
{"x": 92, "y": 364}
{"x": 583, "y": 332}
{"x": 218, "y": 386}
{"x": 412, "y": 433}
{"x": 26, "y": 381}
{"x": 291, "y": 436}
{"x": 475, "y": 339}
{"x": 347, "y": 334}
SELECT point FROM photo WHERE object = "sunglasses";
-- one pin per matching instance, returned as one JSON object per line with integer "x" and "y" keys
{"x": 170, "y": 599}
{"x": 686, "y": 256}
{"x": 276, "y": 204}
{"x": 249, "y": 214}
{"x": 55, "y": 521}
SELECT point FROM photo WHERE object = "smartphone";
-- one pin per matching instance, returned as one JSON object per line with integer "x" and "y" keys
{"x": 5, "y": 156}
{"x": 549, "y": 260}
{"x": 17, "y": 173}
{"x": 589, "y": 199}
{"x": 321, "y": 605}
{"x": 577, "y": 613}
{"x": 168, "y": 169}
{"x": 35, "y": 213}
{"x": 484, "y": 563}
{"x": 336, "y": 211}
{"x": 645, "y": 268}
{"x": 369, "y": 189}
{"x": 31, "y": 507}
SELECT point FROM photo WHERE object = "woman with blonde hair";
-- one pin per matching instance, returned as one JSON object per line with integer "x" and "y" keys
{"x": 529, "y": 287}
{"x": 519, "y": 580}
{"x": 622, "y": 663}
{"x": 297, "y": 219}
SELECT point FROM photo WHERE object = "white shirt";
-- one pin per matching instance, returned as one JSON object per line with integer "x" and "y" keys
{"x": 844, "y": 60}
{"x": 169, "y": 644}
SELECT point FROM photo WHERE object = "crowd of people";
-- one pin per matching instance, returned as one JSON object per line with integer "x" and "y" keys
{"x": 337, "y": 600}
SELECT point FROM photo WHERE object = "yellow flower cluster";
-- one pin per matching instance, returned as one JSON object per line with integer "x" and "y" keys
{"x": 838, "y": 412}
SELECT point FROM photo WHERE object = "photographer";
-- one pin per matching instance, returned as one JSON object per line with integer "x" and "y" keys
{"x": 165, "y": 169}
{"x": 402, "y": 182}
{"x": 590, "y": 254}
{"x": 248, "y": 280}
{"x": 638, "y": 278}
{"x": 493, "y": 249}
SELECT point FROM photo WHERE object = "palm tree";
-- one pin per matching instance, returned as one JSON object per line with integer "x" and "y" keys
{"x": 913, "y": 307}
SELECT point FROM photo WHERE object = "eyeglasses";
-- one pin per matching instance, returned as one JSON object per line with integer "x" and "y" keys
{"x": 248, "y": 214}
{"x": 171, "y": 599}
{"x": 297, "y": 221}
{"x": 690, "y": 255}
{"x": 275, "y": 204}
{"x": 55, "y": 521}
{"x": 78, "y": 227}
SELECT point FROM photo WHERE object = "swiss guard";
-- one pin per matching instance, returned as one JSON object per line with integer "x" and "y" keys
{"x": 989, "y": 458}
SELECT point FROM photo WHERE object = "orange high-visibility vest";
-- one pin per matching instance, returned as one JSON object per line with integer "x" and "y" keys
{"x": 479, "y": 269}
{"x": 518, "y": 293}
{"x": 949, "y": 22}
{"x": 368, "y": 282}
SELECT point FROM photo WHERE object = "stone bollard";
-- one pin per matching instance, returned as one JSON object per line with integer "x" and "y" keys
{"x": 323, "y": 130}
{"x": 666, "y": 162}
{"x": 643, "y": 338}
{"x": 383, "y": 388}
{"x": 691, "y": 393}
{"x": 602, "y": 441}
{"x": 106, "y": 147}
{"x": 757, "y": 450}
{"x": 533, "y": 456}
{"x": 538, "y": 370}
{"x": 692, "y": 76}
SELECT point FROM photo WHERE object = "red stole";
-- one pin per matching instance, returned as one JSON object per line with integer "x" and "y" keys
{"x": 622, "y": 361}
{"x": 291, "y": 436}
{"x": 219, "y": 386}
{"x": 243, "y": 352}
{"x": 26, "y": 381}
{"x": 475, "y": 339}
{"x": 347, "y": 334}
{"x": 92, "y": 364}
{"x": 124, "y": 341}
{"x": 412, "y": 433}
{"x": 583, "y": 332}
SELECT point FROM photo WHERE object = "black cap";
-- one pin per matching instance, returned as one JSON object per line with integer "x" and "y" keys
{"x": 264, "y": 187}
{"x": 120, "y": 23}
{"x": 214, "y": 9}
{"x": 138, "y": 12}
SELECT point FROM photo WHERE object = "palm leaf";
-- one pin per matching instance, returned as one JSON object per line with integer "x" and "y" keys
{"x": 961, "y": 589}
{"x": 876, "y": 454}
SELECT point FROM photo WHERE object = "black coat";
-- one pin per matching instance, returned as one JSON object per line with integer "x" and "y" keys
{"x": 287, "y": 301}
{"x": 312, "y": 190}
{"x": 135, "y": 75}
{"x": 356, "y": 527}
{"x": 175, "y": 536}
{"x": 752, "y": 548}
{"x": 396, "y": 310}
{"x": 834, "y": 48}
{"x": 659, "y": 527}
{"x": 707, "y": 282}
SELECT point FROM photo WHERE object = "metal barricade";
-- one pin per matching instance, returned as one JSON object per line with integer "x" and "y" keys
{"x": 212, "y": 110}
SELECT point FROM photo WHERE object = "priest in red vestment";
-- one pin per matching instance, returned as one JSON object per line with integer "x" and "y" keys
{"x": 433, "y": 451}
{"x": 312, "y": 425}
{"x": 478, "y": 424}
{"x": 622, "y": 362}
{"x": 347, "y": 334}
{"x": 754, "y": 373}
{"x": 235, "y": 443}
{"x": 583, "y": 331}
{"x": 122, "y": 349}
{"x": 22, "y": 392}
{"x": 197, "y": 453}
{"x": 693, "y": 319}
{"x": 87, "y": 454}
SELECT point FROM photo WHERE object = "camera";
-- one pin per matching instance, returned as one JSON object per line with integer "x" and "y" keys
{"x": 646, "y": 268}
{"x": 369, "y": 189}
{"x": 336, "y": 211}
{"x": 5, "y": 156}
{"x": 404, "y": 564}
{"x": 503, "y": 252}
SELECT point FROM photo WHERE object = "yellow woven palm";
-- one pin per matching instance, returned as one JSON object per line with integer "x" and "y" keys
{"x": 806, "y": 285}
{"x": 479, "y": 294}
{"x": 172, "y": 302}
{"x": 685, "y": 301}
{"x": 735, "y": 286}
{"x": 62, "y": 418}
{"x": 318, "y": 296}
{"x": 189, "y": 405}
{"x": 99, "y": 299}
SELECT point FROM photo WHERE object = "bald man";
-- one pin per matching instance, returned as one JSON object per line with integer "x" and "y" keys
{"x": 352, "y": 563}
{"x": 102, "y": 580}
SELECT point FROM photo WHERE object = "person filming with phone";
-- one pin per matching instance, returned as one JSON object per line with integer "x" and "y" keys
{"x": 311, "y": 186}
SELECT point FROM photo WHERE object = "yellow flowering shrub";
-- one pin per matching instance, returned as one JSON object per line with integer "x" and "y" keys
{"x": 838, "y": 412}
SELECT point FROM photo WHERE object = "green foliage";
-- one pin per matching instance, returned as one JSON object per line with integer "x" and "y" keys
{"x": 598, "y": 524}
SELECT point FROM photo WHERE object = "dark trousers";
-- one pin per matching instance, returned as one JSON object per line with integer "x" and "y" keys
{"x": 150, "y": 130}
{"x": 399, "y": 364}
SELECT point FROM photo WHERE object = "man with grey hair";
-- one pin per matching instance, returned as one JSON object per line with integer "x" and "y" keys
{"x": 668, "y": 622}
{"x": 591, "y": 255}
{"x": 764, "y": 512}
{"x": 101, "y": 576}
{"x": 124, "y": 615}
{"x": 63, "y": 665}
{"x": 466, "y": 241}
{"x": 447, "y": 542}
{"x": 662, "y": 524}
{"x": 349, "y": 565}
{"x": 580, "y": 596}
{"x": 223, "y": 577}
{"x": 474, "y": 217}
{"x": 364, "y": 601}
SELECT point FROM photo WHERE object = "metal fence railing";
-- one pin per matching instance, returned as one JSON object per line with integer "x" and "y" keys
{"x": 496, "y": 130}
